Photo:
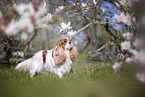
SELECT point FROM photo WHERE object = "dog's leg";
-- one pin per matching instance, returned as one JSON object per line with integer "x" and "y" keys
{"x": 32, "y": 72}
{"x": 34, "y": 68}
{"x": 60, "y": 74}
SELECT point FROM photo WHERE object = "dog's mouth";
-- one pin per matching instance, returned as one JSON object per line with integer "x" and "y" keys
{"x": 71, "y": 48}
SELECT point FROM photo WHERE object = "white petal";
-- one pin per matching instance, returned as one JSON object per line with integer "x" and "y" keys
{"x": 94, "y": 1}
{"x": 117, "y": 66}
{"x": 44, "y": 5}
{"x": 125, "y": 45}
{"x": 68, "y": 24}
{"x": 134, "y": 19}
{"x": 24, "y": 36}
{"x": 63, "y": 25}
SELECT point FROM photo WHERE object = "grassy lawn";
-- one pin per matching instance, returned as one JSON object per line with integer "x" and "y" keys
{"x": 87, "y": 79}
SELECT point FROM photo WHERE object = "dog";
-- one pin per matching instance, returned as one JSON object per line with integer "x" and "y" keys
{"x": 57, "y": 60}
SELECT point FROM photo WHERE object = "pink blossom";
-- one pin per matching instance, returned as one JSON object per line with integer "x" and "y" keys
{"x": 133, "y": 19}
{"x": 128, "y": 36}
{"x": 64, "y": 27}
{"x": 64, "y": 32}
{"x": 141, "y": 78}
{"x": 126, "y": 45}
{"x": 48, "y": 18}
{"x": 31, "y": 47}
{"x": 60, "y": 9}
{"x": 4, "y": 28}
{"x": 33, "y": 20}
{"x": 139, "y": 56}
{"x": 26, "y": 28}
{"x": 131, "y": 60}
{"x": 126, "y": 19}
{"x": 120, "y": 18}
{"x": 117, "y": 66}
{"x": 121, "y": 57}
{"x": 24, "y": 36}
{"x": 29, "y": 19}
{"x": 10, "y": 38}
{"x": 2, "y": 19}
{"x": 122, "y": 3}
{"x": 71, "y": 32}
{"x": 18, "y": 53}
{"x": 36, "y": 5}
{"x": 137, "y": 43}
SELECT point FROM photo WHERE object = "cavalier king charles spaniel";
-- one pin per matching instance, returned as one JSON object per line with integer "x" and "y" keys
{"x": 57, "y": 60}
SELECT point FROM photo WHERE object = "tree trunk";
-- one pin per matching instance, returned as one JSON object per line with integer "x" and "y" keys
{"x": 44, "y": 39}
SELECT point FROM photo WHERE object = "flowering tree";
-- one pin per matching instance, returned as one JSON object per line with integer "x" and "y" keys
{"x": 32, "y": 16}
{"x": 116, "y": 16}
{"x": 134, "y": 39}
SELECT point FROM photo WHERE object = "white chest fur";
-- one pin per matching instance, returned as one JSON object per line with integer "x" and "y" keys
{"x": 66, "y": 67}
{"x": 60, "y": 70}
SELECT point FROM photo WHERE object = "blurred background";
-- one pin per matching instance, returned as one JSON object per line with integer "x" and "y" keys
{"x": 99, "y": 41}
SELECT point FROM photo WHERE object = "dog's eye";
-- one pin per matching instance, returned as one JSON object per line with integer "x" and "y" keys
{"x": 64, "y": 41}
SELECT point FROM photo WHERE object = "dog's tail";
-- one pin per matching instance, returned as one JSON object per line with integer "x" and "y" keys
{"x": 25, "y": 65}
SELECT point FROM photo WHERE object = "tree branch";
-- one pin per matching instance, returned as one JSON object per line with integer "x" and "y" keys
{"x": 77, "y": 32}
{"x": 28, "y": 43}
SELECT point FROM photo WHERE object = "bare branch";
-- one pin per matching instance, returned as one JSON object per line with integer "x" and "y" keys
{"x": 80, "y": 30}
{"x": 28, "y": 43}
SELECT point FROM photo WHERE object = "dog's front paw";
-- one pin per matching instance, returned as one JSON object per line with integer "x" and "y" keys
{"x": 60, "y": 75}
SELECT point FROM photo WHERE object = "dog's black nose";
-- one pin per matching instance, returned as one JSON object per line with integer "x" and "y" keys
{"x": 69, "y": 42}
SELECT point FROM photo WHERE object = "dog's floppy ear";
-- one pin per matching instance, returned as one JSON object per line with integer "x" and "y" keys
{"x": 73, "y": 53}
{"x": 60, "y": 56}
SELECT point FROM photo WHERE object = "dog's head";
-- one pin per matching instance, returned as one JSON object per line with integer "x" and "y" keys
{"x": 63, "y": 45}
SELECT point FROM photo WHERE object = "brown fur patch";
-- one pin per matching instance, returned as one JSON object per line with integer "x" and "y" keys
{"x": 73, "y": 53}
{"x": 60, "y": 55}
{"x": 44, "y": 56}
{"x": 62, "y": 43}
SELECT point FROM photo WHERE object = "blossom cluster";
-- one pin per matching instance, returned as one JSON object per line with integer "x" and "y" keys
{"x": 138, "y": 54}
{"x": 66, "y": 29}
{"x": 34, "y": 15}
{"x": 126, "y": 19}
{"x": 31, "y": 15}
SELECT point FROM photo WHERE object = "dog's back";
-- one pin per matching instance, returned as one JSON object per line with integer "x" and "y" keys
{"x": 33, "y": 64}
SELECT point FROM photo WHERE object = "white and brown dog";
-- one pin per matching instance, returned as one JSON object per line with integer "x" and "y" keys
{"x": 57, "y": 60}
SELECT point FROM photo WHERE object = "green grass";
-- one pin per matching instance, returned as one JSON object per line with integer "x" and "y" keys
{"x": 81, "y": 57}
{"x": 87, "y": 79}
